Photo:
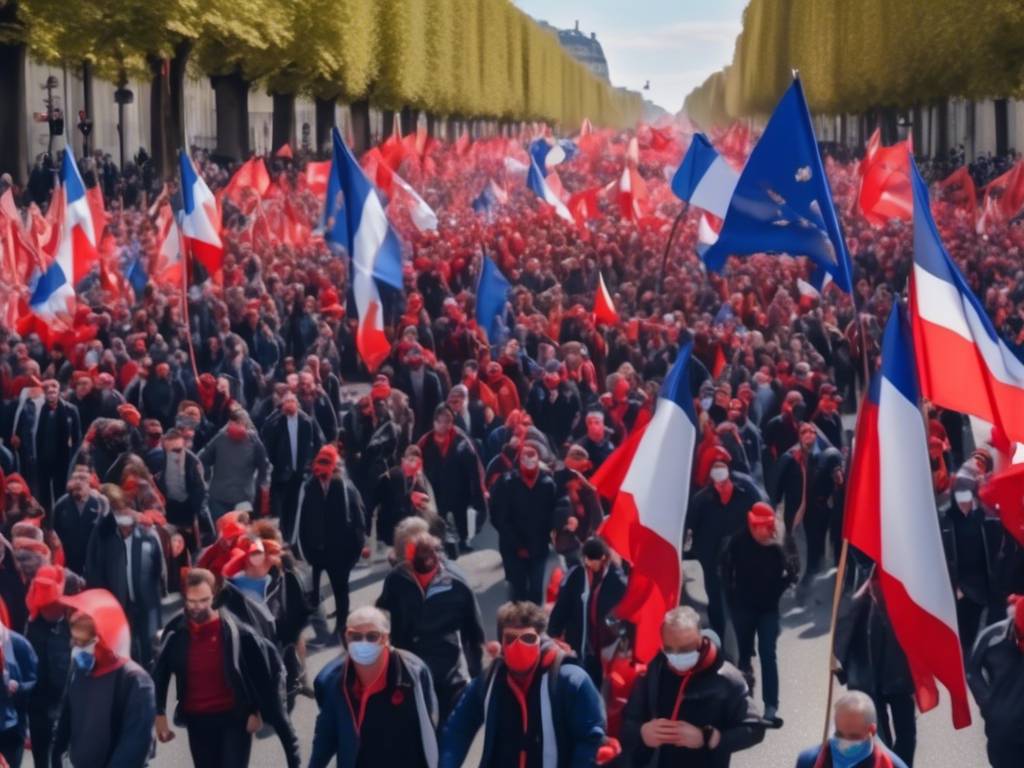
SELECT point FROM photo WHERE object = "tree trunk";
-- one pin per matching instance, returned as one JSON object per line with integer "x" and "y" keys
{"x": 325, "y": 121}
{"x": 283, "y": 121}
{"x": 359, "y": 112}
{"x": 917, "y": 131}
{"x": 231, "y": 95}
{"x": 176, "y": 136}
{"x": 431, "y": 125}
{"x": 1002, "y": 126}
{"x": 87, "y": 141}
{"x": 942, "y": 129}
{"x": 409, "y": 119}
{"x": 890, "y": 127}
{"x": 13, "y": 139}
{"x": 387, "y": 124}
{"x": 160, "y": 147}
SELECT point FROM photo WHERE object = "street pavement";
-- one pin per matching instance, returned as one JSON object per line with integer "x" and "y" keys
{"x": 803, "y": 655}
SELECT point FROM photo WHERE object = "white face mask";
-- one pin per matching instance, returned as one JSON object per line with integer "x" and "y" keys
{"x": 530, "y": 463}
{"x": 124, "y": 521}
{"x": 683, "y": 662}
{"x": 964, "y": 497}
{"x": 719, "y": 474}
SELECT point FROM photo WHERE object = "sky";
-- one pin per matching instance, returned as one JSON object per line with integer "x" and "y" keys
{"x": 675, "y": 44}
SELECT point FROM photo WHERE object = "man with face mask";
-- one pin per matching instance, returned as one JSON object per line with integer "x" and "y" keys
{"x": 330, "y": 530}
{"x": 402, "y": 492}
{"x": 452, "y": 465}
{"x": 535, "y": 709}
{"x": 587, "y": 597}
{"x": 422, "y": 386}
{"x": 718, "y": 512}
{"x": 755, "y": 574}
{"x": 525, "y": 511}
{"x": 292, "y": 439}
{"x": 222, "y": 680}
{"x": 827, "y": 417}
{"x": 794, "y": 481}
{"x": 853, "y": 744}
{"x": 436, "y": 616}
{"x": 995, "y": 671}
{"x": 972, "y": 540}
{"x": 377, "y": 704}
{"x": 691, "y": 707}
{"x": 237, "y": 466}
{"x": 782, "y": 432}
{"x": 554, "y": 404}
{"x": 596, "y": 441}
{"x": 108, "y": 708}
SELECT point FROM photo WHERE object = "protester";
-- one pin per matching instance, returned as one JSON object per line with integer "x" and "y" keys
{"x": 291, "y": 439}
{"x": 854, "y": 743}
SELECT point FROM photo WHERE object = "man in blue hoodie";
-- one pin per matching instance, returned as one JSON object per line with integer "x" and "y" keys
{"x": 534, "y": 706}
{"x": 854, "y": 744}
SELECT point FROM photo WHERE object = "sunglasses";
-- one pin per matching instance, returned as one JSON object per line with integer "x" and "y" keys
{"x": 358, "y": 637}
{"x": 527, "y": 638}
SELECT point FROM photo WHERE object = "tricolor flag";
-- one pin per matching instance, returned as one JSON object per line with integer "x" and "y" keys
{"x": 536, "y": 181}
{"x": 891, "y": 517}
{"x": 782, "y": 202}
{"x": 704, "y": 178}
{"x": 200, "y": 224}
{"x": 373, "y": 249}
{"x": 604, "y": 308}
{"x": 422, "y": 215}
{"x": 649, "y": 512}
{"x": 489, "y": 198}
{"x": 53, "y": 293}
{"x": 962, "y": 362}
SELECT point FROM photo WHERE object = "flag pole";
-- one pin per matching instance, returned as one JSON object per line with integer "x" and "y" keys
{"x": 668, "y": 245}
{"x": 186, "y": 261}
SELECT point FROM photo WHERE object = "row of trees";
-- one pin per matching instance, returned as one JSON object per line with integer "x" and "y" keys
{"x": 855, "y": 57}
{"x": 463, "y": 59}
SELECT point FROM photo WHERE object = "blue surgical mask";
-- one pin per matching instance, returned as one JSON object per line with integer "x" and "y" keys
{"x": 365, "y": 653}
{"x": 683, "y": 662}
{"x": 846, "y": 753}
{"x": 84, "y": 657}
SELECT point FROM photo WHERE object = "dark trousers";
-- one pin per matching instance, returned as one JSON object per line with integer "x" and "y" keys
{"x": 526, "y": 577}
{"x": 1005, "y": 754}
{"x": 145, "y": 623}
{"x": 815, "y": 529}
{"x": 40, "y": 731}
{"x": 897, "y": 725}
{"x": 716, "y": 598}
{"x": 179, "y": 514}
{"x": 284, "y": 500}
{"x": 218, "y": 741}
{"x": 337, "y": 574}
{"x": 12, "y": 746}
{"x": 765, "y": 625}
{"x": 51, "y": 482}
{"x": 968, "y": 618}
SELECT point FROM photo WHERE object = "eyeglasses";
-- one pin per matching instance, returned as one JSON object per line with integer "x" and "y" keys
{"x": 357, "y": 637}
{"x": 527, "y": 638}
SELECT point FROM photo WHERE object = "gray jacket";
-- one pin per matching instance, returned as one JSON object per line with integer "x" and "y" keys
{"x": 235, "y": 468}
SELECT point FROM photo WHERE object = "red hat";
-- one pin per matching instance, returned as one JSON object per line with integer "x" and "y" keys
{"x": 761, "y": 514}
{"x": 326, "y": 461}
{"x": 228, "y": 527}
{"x": 107, "y": 614}
{"x": 130, "y": 414}
{"x": 381, "y": 389}
{"x": 47, "y": 588}
{"x": 718, "y": 453}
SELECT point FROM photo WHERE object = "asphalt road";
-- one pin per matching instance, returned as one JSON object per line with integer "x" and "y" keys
{"x": 802, "y": 660}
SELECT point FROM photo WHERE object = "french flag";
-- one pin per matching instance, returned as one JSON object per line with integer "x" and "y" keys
{"x": 54, "y": 291}
{"x": 536, "y": 181}
{"x": 962, "y": 363}
{"x": 891, "y": 517}
{"x": 704, "y": 179}
{"x": 651, "y": 473}
{"x": 200, "y": 222}
{"x": 373, "y": 249}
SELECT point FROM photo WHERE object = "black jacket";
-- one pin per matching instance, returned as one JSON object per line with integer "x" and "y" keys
{"x": 74, "y": 528}
{"x": 323, "y": 413}
{"x": 431, "y": 395}
{"x": 106, "y": 564}
{"x": 755, "y": 575}
{"x": 309, "y": 438}
{"x": 331, "y": 526}
{"x": 439, "y": 625}
{"x": 979, "y": 583}
{"x": 570, "y": 615}
{"x": 555, "y": 418}
{"x": 525, "y": 517}
{"x": 716, "y": 696}
{"x": 713, "y": 522}
{"x": 995, "y": 673}
{"x": 866, "y": 647}
{"x": 195, "y": 487}
{"x": 456, "y": 476}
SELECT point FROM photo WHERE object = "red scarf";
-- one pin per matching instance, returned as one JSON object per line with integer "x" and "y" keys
{"x": 880, "y": 758}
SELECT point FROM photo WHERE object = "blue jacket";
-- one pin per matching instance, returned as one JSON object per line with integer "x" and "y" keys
{"x": 20, "y": 666}
{"x": 335, "y": 734}
{"x": 810, "y": 755}
{"x": 577, "y": 715}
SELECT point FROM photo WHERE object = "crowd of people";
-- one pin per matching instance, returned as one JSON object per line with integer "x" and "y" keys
{"x": 205, "y": 444}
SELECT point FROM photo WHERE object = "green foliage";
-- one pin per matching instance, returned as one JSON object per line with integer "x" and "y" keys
{"x": 401, "y": 53}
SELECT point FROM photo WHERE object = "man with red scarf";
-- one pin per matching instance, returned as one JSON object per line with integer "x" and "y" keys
{"x": 995, "y": 673}
{"x": 854, "y": 744}
{"x": 691, "y": 708}
{"x": 508, "y": 701}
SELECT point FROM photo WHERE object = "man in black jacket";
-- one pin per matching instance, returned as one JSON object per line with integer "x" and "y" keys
{"x": 453, "y": 468}
{"x": 716, "y": 717}
{"x": 422, "y": 386}
{"x": 292, "y": 439}
{"x": 179, "y": 478}
{"x": 718, "y": 512}
{"x": 525, "y": 512}
{"x": 755, "y": 573}
{"x": 316, "y": 405}
{"x": 554, "y": 405}
{"x": 995, "y": 673}
{"x": 435, "y": 615}
{"x": 74, "y": 518}
{"x": 57, "y": 434}
{"x": 587, "y": 597}
{"x": 224, "y": 680}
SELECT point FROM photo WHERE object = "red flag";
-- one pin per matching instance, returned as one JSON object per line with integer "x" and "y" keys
{"x": 961, "y": 191}
{"x": 1008, "y": 191}
{"x": 583, "y": 205}
{"x": 885, "y": 191}
{"x": 604, "y": 308}
{"x": 285, "y": 152}
{"x": 1004, "y": 492}
{"x": 250, "y": 183}
{"x": 720, "y": 362}
{"x": 317, "y": 175}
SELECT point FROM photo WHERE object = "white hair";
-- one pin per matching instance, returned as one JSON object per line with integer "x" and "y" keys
{"x": 369, "y": 614}
{"x": 682, "y": 617}
{"x": 860, "y": 703}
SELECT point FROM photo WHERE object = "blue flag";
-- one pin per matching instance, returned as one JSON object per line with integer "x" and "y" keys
{"x": 333, "y": 222}
{"x": 782, "y": 203}
{"x": 491, "y": 298}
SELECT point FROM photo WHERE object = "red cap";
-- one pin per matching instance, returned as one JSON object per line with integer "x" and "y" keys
{"x": 761, "y": 514}
{"x": 47, "y": 588}
{"x": 718, "y": 453}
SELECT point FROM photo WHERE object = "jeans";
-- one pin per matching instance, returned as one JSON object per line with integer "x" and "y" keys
{"x": 526, "y": 577}
{"x": 897, "y": 725}
{"x": 764, "y": 624}
{"x": 219, "y": 740}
